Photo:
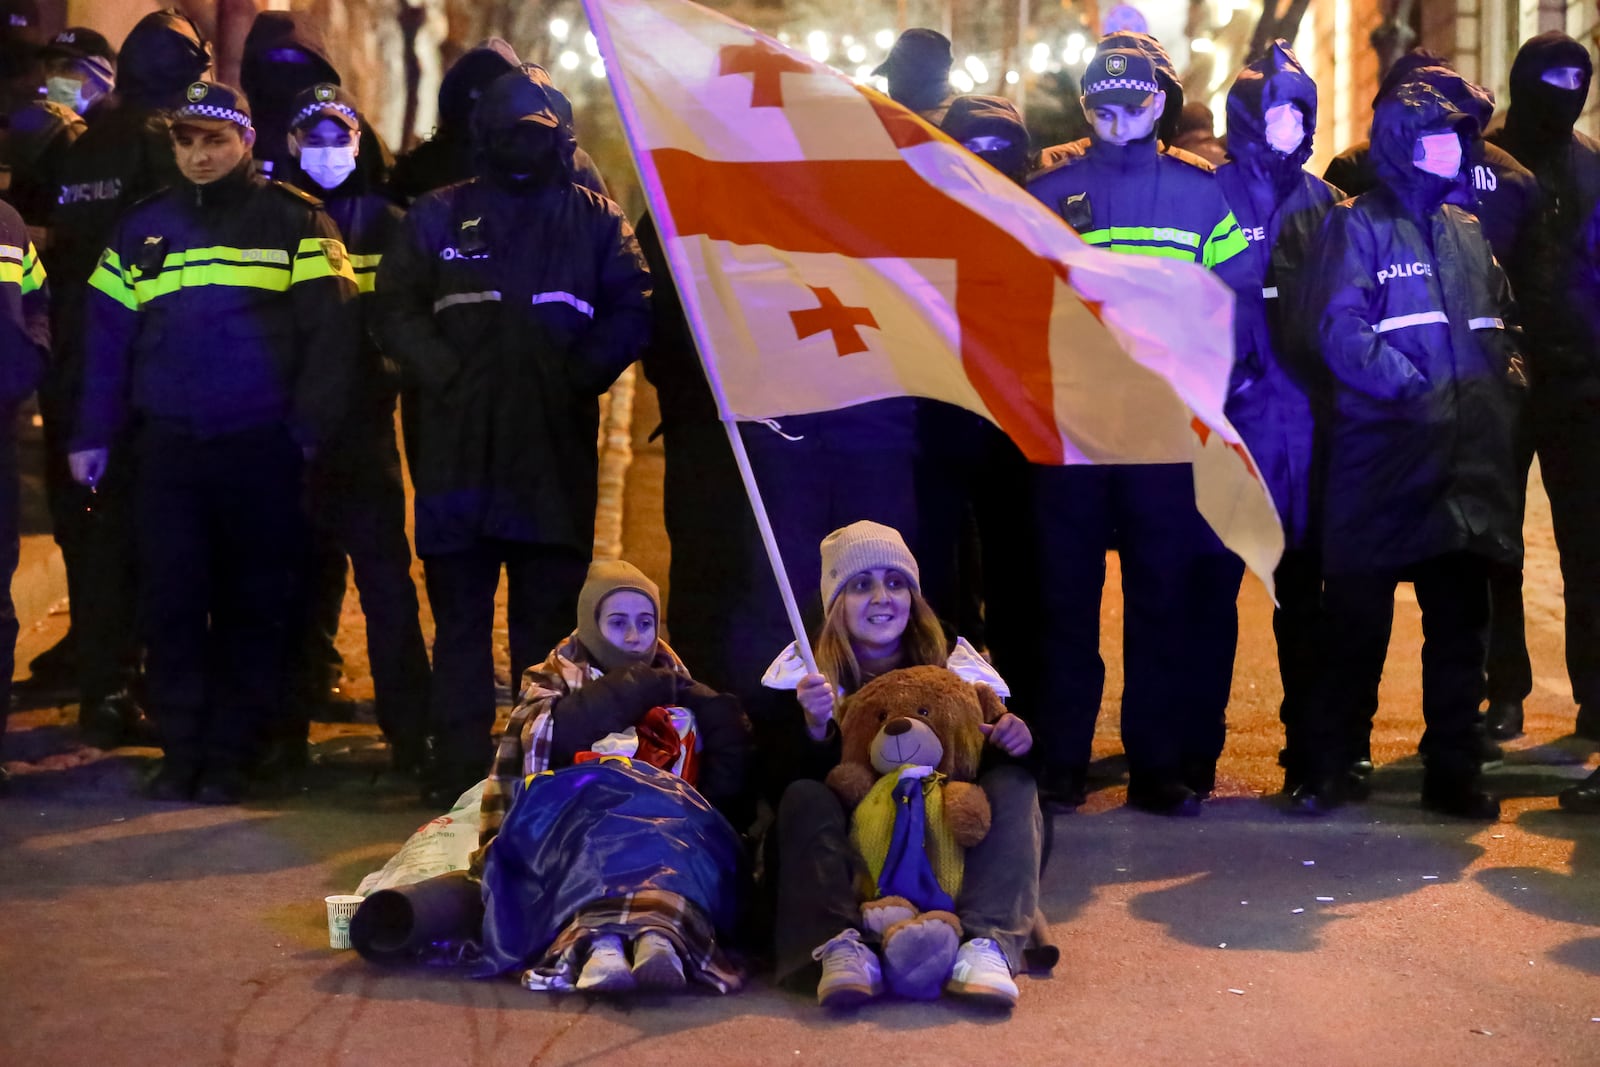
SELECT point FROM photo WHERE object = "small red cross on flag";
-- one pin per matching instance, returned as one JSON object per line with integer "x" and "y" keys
{"x": 793, "y": 203}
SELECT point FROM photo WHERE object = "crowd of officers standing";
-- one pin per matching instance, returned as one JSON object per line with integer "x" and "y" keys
{"x": 238, "y": 295}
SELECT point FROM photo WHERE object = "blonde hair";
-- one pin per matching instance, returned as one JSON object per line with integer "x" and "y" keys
{"x": 922, "y": 645}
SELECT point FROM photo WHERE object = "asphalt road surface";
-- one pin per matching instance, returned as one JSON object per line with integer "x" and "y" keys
{"x": 135, "y": 933}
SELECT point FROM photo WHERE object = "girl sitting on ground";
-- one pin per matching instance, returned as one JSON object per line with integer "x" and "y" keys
{"x": 604, "y": 680}
{"x": 877, "y": 621}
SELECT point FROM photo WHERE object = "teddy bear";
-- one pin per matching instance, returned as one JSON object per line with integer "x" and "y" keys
{"x": 911, "y": 741}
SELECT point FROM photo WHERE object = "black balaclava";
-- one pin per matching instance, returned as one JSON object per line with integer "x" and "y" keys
{"x": 1542, "y": 116}
{"x": 995, "y": 118}
{"x": 521, "y": 138}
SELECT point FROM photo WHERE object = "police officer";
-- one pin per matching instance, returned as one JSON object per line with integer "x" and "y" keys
{"x": 1179, "y": 583}
{"x": 124, "y": 156}
{"x": 357, "y": 495}
{"x": 1413, "y": 314}
{"x": 24, "y": 310}
{"x": 222, "y": 325}
{"x": 510, "y": 302}
{"x": 918, "y": 71}
{"x": 1279, "y": 386}
{"x": 1549, "y": 88}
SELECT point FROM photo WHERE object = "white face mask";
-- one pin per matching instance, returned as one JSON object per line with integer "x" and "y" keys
{"x": 1286, "y": 130}
{"x": 329, "y": 167}
{"x": 68, "y": 92}
{"x": 1438, "y": 154}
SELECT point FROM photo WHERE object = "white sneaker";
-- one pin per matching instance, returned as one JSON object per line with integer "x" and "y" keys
{"x": 982, "y": 973}
{"x": 655, "y": 962}
{"x": 606, "y": 970}
{"x": 851, "y": 974}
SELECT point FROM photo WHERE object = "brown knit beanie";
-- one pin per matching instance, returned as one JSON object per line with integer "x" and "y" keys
{"x": 861, "y": 546}
{"x": 607, "y": 577}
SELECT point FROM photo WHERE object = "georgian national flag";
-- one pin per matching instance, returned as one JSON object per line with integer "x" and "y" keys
{"x": 831, "y": 248}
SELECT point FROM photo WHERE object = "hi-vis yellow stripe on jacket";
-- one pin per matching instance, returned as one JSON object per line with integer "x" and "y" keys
{"x": 21, "y": 267}
{"x": 270, "y": 269}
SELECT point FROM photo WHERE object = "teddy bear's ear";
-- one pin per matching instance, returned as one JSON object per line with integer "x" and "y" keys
{"x": 990, "y": 703}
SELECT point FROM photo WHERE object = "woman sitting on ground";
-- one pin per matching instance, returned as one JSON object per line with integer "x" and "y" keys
{"x": 601, "y": 691}
{"x": 877, "y": 621}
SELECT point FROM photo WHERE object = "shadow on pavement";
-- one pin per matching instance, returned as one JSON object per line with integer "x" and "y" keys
{"x": 1550, "y": 894}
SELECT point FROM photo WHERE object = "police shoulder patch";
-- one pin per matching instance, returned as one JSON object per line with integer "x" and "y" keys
{"x": 335, "y": 252}
{"x": 296, "y": 193}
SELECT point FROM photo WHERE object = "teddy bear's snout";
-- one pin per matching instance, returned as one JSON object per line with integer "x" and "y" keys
{"x": 905, "y": 742}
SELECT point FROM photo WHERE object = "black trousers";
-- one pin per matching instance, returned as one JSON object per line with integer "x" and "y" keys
{"x": 1510, "y": 673}
{"x": 10, "y": 552}
{"x": 542, "y": 607}
{"x": 358, "y": 512}
{"x": 1569, "y": 459}
{"x": 814, "y": 870}
{"x": 221, "y": 536}
{"x": 95, "y": 532}
{"x": 1453, "y": 592}
{"x": 1180, "y": 619}
{"x": 1299, "y": 626}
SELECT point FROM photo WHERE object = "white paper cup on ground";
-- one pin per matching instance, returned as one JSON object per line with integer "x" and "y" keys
{"x": 340, "y": 909}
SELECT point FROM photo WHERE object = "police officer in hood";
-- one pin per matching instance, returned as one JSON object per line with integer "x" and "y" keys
{"x": 284, "y": 56}
{"x": 510, "y": 302}
{"x": 1278, "y": 384}
{"x": 221, "y": 329}
{"x": 1414, "y": 318}
{"x": 918, "y": 71}
{"x": 357, "y": 496}
{"x": 1549, "y": 85}
{"x": 124, "y": 156}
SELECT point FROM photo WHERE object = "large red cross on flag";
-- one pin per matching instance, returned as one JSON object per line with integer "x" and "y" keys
{"x": 831, "y": 249}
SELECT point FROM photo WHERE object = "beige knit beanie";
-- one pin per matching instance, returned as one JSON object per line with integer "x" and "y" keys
{"x": 861, "y": 546}
{"x": 607, "y": 577}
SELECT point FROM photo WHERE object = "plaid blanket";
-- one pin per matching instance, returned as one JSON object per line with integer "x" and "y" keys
{"x": 524, "y": 745}
{"x": 675, "y": 917}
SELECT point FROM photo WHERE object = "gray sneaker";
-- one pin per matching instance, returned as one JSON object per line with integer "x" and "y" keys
{"x": 656, "y": 964}
{"x": 850, "y": 972}
{"x": 982, "y": 973}
{"x": 606, "y": 970}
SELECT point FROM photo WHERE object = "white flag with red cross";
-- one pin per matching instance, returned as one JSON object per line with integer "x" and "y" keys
{"x": 831, "y": 248}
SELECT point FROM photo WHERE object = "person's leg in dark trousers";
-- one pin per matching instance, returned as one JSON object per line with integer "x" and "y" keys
{"x": 1058, "y": 688}
{"x": 1358, "y": 611}
{"x": 793, "y": 476}
{"x": 461, "y": 587}
{"x": 1510, "y": 674}
{"x": 172, "y": 527}
{"x": 105, "y": 612}
{"x": 372, "y": 529}
{"x": 1569, "y": 461}
{"x": 1453, "y": 593}
{"x": 1297, "y": 624}
{"x": 815, "y": 869}
{"x": 1213, "y": 644}
{"x": 10, "y": 552}
{"x": 543, "y": 583}
{"x": 255, "y": 486}
{"x": 1154, "y": 508}
{"x": 1008, "y": 570}
{"x": 1000, "y": 887}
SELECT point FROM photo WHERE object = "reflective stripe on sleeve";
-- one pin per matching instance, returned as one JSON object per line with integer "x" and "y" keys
{"x": 564, "y": 298}
{"x": 322, "y": 257}
{"x": 1487, "y": 324}
{"x": 1270, "y": 292}
{"x": 33, "y": 277}
{"x": 108, "y": 279}
{"x": 488, "y": 296}
{"x": 366, "y": 270}
{"x": 1226, "y": 241}
{"x": 1420, "y": 318}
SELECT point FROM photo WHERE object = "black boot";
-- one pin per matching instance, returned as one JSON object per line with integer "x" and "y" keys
{"x": 173, "y": 782}
{"x": 1503, "y": 720}
{"x": 1588, "y": 724}
{"x": 1064, "y": 790}
{"x": 1458, "y": 796}
{"x": 1163, "y": 796}
{"x": 1583, "y": 798}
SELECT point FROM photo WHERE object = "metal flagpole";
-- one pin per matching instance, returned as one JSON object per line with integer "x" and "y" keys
{"x": 697, "y": 327}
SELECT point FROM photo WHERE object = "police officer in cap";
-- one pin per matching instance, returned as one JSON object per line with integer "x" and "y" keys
{"x": 221, "y": 323}
{"x": 358, "y": 500}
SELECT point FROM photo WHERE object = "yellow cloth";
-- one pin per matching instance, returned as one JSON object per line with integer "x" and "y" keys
{"x": 872, "y": 828}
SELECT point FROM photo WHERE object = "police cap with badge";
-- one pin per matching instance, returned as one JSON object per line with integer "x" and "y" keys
{"x": 325, "y": 101}
{"x": 1122, "y": 76}
{"x": 206, "y": 101}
